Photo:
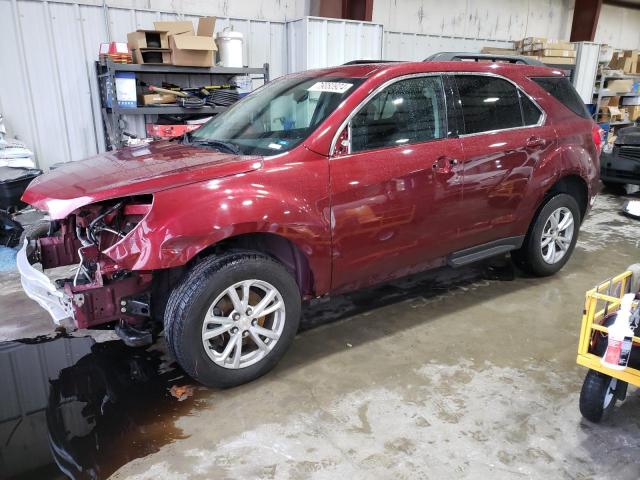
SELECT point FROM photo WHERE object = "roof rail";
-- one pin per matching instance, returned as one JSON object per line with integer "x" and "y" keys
{"x": 364, "y": 62}
{"x": 460, "y": 56}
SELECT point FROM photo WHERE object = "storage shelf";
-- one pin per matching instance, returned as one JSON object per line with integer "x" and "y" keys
{"x": 166, "y": 110}
{"x": 133, "y": 67}
{"x": 613, "y": 94}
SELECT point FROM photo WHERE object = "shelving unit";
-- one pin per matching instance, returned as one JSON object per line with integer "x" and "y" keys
{"x": 111, "y": 116}
{"x": 600, "y": 92}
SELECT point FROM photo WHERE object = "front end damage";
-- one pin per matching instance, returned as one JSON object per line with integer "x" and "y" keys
{"x": 99, "y": 292}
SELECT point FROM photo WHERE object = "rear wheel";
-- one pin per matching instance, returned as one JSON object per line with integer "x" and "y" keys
{"x": 552, "y": 237}
{"x": 598, "y": 396}
{"x": 232, "y": 318}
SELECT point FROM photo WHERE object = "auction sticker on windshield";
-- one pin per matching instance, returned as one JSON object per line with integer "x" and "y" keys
{"x": 331, "y": 87}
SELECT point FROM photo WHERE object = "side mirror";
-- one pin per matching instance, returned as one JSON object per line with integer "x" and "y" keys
{"x": 343, "y": 143}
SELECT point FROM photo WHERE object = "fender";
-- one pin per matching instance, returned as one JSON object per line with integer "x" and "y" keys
{"x": 566, "y": 160}
{"x": 185, "y": 220}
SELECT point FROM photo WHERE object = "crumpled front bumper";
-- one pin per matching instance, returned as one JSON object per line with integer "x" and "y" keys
{"x": 40, "y": 288}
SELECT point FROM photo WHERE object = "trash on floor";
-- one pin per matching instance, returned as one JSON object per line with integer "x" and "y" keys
{"x": 632, "y": 209}
{"x": 7, "y": 259}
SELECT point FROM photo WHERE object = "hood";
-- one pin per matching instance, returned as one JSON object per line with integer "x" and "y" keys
{"x": 131, "y": 171}
{"x": 628, "y": 136}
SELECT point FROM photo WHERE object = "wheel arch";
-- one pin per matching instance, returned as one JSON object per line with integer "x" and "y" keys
{"x": 277, "y": 247}
{"x": 573, "y": 185}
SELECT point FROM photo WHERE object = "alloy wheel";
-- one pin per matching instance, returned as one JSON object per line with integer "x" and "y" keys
{"x": 243, "y": 324}
{"x": 557, "y": 235}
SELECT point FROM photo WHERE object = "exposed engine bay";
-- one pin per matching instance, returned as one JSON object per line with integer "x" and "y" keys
{"x": 100, "y": 291}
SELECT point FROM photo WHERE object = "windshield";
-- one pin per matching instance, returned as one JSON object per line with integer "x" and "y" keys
{"x": 277, "y": 117}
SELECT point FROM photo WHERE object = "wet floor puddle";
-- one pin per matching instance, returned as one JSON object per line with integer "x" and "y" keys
{"x": 70, "y": 407}
{"x": 74, "y": 408}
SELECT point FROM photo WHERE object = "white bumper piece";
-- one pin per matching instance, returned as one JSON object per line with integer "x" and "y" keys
{"x": 38, "y": 287}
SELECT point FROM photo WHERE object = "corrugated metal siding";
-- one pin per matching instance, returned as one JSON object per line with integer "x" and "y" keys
{"x": 316, "y": 42}
{"x": 416, "y": 46}
{"x": 618, "y": 27}
{"x": 48, "y": 91}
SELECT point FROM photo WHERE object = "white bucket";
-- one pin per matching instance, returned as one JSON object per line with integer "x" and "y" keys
{"x": 230, "y": 49}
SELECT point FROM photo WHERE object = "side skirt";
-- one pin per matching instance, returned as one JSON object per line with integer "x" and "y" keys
{"x": 486, "y": 250}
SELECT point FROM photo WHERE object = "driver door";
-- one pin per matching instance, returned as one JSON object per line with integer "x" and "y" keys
{"x": 396, "y": 187}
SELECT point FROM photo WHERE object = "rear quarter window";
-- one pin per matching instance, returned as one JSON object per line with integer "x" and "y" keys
{"x": 562, "y": 90}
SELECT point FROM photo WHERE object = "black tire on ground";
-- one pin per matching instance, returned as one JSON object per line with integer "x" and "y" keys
{"x": 34, "y": 231}
{"x": 592, "y": 396}
{"x": 529, "y": 256}
{"x": 613, "y": 186}
{"x": 193, "y": 296}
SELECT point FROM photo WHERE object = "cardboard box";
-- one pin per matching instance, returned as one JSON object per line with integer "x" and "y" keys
{"x": 620, "y": 85}
{"x": 611, "y": 101}
{"x": 148, "y": 39}
{"x": 530, "y": 40}
{"x": 156, "y": 56}
{"x": 610, "y": 114}
{"x": 498, "y": 51}
{"x": 630, "y": 101}
{"x": 195, "y": 50}
{"x": 174, "y": 28}
{"x": 554, "y": 60}
{"x": 156, "y": 98}
{"x": 548, "y": 46}
{"x": 634, "y": 112}
{"x": 555, "y": 53}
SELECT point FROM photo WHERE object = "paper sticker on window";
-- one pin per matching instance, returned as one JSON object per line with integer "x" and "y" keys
{"x": 331, "y": 87}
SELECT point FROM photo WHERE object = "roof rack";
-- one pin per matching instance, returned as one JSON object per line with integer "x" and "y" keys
{"x": 364, "y": 62}
{"x": 460, "y": 56}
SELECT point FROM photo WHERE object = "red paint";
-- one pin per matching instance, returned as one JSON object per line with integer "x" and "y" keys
{"x": 357, "y": 218}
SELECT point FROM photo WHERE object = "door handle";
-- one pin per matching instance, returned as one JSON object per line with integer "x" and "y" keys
{"x": 444, "y": 165}
{"x": 535, "y": 142}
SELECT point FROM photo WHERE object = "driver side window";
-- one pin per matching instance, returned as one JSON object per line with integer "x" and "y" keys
{"x": 407, "y": 111}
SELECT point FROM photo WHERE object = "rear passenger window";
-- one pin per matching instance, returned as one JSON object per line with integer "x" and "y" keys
{"x": 488, "y": 103}
{"x": 562, "y": 90}
{"x": 407, "y": 111}
{"x": 530, "y": 113}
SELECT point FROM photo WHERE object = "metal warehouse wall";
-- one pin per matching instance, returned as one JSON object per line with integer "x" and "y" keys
{"x": 416, "y": 47}
{"x": 48, "y": 91}
{"x": 496, "y": 19}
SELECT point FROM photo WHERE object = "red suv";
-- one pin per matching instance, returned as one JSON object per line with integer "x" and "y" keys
{"x": 318, "y": 183}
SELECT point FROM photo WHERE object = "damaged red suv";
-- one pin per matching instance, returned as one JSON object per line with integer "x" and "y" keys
{"x": 318, "y": 183}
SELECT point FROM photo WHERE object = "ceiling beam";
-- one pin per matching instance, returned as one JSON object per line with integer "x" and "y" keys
{"x": 585, "y": 20}
{"x": 622, "y": 3}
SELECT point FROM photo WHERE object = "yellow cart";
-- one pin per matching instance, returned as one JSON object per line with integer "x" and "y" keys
{"x": 602, "y": 385}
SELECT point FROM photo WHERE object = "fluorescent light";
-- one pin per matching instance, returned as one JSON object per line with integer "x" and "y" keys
{"x": 398, "y": 101}
{"x": 491, "y": 99}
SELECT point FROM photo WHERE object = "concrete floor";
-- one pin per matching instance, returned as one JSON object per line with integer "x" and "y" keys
{"x": 453, "y": 374}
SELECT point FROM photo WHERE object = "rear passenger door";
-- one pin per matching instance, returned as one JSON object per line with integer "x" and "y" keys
{"x": 503, "y": 137}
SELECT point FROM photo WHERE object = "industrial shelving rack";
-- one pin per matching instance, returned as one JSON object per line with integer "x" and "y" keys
{"x": 600, "y": 92}
{"x": 111, "y": 116}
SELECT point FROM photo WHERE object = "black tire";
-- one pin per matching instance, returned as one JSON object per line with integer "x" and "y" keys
{"x": 529, "y": 256}
{"x": 614, "y": 187}
{"x": 34, "y": 231}
{"x": 592, "y": 396}
{"x": 192, "y": 297}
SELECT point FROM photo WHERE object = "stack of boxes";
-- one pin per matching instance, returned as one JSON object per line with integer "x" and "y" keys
{"x": 175, "y": 43}
{"x": 554, "y": 52}
{"x": 627, "y": 61}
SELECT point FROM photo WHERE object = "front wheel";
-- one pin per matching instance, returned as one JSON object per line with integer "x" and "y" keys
{"x": 551, "y": 238}
{"x": 598, "y": 395}
{"x": 232, "y": 318}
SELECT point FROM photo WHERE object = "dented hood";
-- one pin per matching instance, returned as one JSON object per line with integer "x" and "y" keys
{"x": 131, "y": 171}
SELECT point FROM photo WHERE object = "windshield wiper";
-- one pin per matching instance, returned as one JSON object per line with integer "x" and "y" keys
{"x": 218, "y": 144}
